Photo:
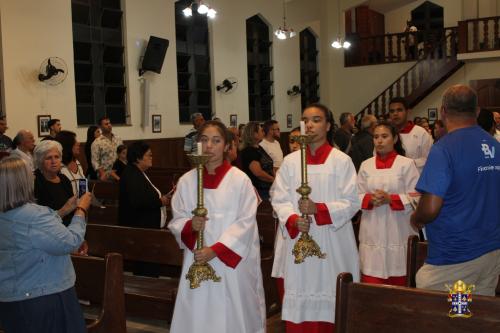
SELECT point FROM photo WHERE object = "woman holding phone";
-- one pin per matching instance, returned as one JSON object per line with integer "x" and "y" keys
{"x": 52, "y": 188}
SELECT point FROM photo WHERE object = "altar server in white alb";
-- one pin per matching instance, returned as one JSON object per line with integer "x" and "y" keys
{"x": 236, "y": 303}
{"x": 416, "y": 141}
{"x": 309, "y": 300}
{"x": 384, "y": 182}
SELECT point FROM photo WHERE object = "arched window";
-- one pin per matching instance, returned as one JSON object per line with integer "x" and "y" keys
{"x": 309, "y": 74}
{"x": 260, "y": 84}
{"x": 193, "y": 62}
{"x": 98, "y": 57}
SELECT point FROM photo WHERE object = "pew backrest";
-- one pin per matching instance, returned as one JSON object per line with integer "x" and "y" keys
{"x": 415, "y": 259}
{"x": 135, "y": 244}
{"x": 371, "y": 308}
{"x": 100, "y": 281}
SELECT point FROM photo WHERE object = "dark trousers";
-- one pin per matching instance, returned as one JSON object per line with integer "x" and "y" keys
{"x": 55, "y": 313}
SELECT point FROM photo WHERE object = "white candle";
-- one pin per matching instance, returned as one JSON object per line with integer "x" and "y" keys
{"x": 199, "y": 149}
{"x": 302, "y": 128}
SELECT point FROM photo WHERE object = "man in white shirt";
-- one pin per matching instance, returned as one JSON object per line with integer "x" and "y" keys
{"x": 271, "y": 143}
{"x": 24, "y": 142}
{"x": 416, "y": 141}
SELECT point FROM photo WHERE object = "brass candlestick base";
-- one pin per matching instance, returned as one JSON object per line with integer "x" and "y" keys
{"x": 199, "y": 272}
{"x": 305, "y": 245}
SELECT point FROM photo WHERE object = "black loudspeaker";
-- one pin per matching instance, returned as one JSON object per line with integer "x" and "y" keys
{"x": 154, "y": 55}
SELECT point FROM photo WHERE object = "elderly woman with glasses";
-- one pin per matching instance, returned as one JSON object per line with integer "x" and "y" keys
{"x": 36, "y": 274}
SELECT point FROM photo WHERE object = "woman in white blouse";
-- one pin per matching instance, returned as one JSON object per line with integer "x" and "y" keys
{"x": 71, "y": 167}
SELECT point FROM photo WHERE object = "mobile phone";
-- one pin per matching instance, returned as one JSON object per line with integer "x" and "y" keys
{"x": 83, "y": 187}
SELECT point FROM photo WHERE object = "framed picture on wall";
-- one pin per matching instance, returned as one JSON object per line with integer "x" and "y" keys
{"x": 288, "y": 121}
{"x": 156, "y": 121}
{"x": 233, "y": 120}
{"x": 432, "y": 114}
{"x": 43, "y": 125}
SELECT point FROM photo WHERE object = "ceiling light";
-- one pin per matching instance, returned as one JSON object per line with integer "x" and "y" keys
{"x": 280, "y": 34}
{"x": 339, "y": 43}
{"x": 284, "y": 33}
{"x": 187, "y": 11}
{"x": 211, "y": 13}
{"x": 202, "y": 8}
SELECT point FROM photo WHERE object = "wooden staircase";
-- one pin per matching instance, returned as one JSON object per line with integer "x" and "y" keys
{"x": 437, "y": 63}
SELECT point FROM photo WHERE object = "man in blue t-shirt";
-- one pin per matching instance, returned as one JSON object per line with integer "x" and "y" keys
{"x": 460, "y": 186}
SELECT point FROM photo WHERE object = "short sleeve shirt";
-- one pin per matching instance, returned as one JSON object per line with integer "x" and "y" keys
{"x": 463, "y": 168}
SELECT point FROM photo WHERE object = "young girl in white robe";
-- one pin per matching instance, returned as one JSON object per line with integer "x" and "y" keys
{"x": 310, "y": 287}
{"x": 384, "y": 181}
{"x": 236, "y": 303}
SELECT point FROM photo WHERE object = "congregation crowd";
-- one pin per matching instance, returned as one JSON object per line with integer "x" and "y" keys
{"x": 399, "y": 177}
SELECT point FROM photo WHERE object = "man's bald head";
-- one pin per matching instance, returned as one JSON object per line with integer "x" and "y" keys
{"x": 24, "y": 140}
{"x": 460, "y": 100}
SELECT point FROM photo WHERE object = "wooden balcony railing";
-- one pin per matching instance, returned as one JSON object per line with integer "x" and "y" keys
{"x": 477, "y": 35}
{"x": 437, "y": 63}
{"x": 392, "y": 48}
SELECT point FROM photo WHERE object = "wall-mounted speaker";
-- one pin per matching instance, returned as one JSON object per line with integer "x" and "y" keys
{"x": 154, "y": 55}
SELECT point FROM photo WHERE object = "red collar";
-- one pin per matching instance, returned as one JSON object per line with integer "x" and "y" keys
{"x": 407, "y": 129}
{"x": 213, "y": 181}
{"x": 385, "y": 162}
{"x": 321, "y": 155}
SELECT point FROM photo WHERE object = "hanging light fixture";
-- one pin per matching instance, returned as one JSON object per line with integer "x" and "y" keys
{"x": 203, "y": 9}
{"x": 187, "y": 11}
{"x": 339, "y": 42}
{"x": 285, "y": 32}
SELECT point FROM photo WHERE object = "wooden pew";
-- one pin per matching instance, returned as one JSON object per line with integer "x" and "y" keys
{"x": 380, "y": 308}
{"x": 100, "y": 281}
{"x": 266, "y": 224}
{"x": 105, "y": 191}
{"x": 144, "y": 296}
{"x": 159, "y": 246}
{"x": 415, "y": 259}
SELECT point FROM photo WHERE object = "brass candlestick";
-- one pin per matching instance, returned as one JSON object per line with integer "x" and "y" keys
{"x": 305, "y": 245}
{"x": 199, "y": 272}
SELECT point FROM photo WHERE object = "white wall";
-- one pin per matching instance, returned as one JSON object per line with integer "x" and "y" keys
{"x": 34, "y": 30}
{"x": 142, "y": 19}
{"x": 31, "y": 32}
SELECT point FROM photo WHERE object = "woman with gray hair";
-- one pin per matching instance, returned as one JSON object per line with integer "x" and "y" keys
{"x": 52, "y": 188}
{"x": 255, "y": 162}
{"x": 36, "y": 275}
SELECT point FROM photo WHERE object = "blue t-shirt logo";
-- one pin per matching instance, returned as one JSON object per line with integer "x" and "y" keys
{"x": 488, "y": 153}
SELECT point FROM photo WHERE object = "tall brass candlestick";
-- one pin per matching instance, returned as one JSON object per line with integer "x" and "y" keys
{"x": 199, "y": 272}
{"x": 305, "y": 245}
